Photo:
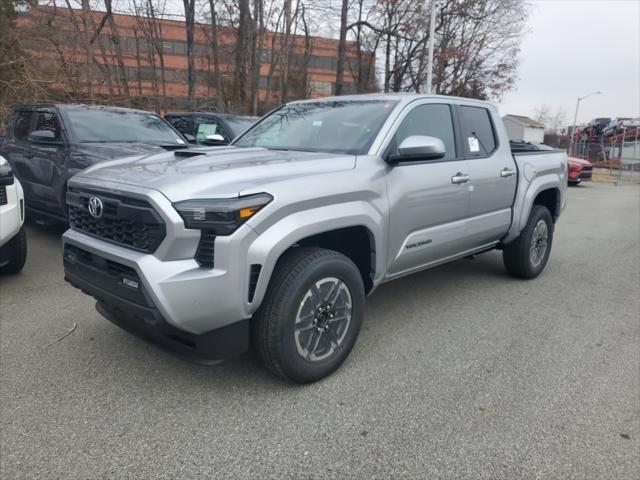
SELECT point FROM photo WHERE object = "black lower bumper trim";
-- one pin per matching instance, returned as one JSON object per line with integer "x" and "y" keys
{"x": 144, "y": 320}
{"x": 207, "y": 349}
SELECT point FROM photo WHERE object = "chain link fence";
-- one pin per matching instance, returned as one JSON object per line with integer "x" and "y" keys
{"x": 619, "y": 155}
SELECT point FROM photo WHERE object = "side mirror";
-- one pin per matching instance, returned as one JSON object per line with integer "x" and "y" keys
{"x": 418, "y": 148}
{"x": 215, "y": 139}
{"x": 43, "y": 136}
{"x": 189, "y": 138}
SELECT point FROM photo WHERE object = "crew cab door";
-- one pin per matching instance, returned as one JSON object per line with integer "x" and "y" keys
{"x": 493, "y": 174}
{"x": 43, "y": 169}
{"x": 429, "y": 200}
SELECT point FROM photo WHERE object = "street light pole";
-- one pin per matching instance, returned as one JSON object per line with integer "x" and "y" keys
{"x": 432, "y": 31}
{"x": 575, "y": 119}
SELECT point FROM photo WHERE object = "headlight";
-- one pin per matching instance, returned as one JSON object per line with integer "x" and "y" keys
{"x": 221, "y": 216}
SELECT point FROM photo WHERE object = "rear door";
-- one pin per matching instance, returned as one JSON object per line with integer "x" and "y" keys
{"x": 429, "y": 200}
{"x": 493, "y": 174}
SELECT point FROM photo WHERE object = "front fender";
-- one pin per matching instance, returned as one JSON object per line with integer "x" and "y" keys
{"x": 275, "y": 240}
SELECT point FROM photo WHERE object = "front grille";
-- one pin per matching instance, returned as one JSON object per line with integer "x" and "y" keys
{"x": 125, "y": 221}
{"x": 3, "y": 195}
{"x": 206, "y": 249}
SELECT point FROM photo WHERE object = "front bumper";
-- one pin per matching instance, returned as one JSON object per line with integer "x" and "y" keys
{"x": 11, "y": 211}
{"x": 123, "y": 298}
{"x": 581, "y": 174}
{"x": 187, "y": 296}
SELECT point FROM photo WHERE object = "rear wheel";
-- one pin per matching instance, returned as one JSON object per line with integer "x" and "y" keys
{"x": 311, "y": 314}
{"x": 527, "y": 256}
{"x": 16, "y": 251}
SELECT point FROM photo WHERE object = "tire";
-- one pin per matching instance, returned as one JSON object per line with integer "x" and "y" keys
{"x": 288, "y": 318}
{"x": 16, "y": 251}
{"x": 518, "y": 257}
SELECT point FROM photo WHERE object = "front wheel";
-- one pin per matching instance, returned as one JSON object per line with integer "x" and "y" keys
{"x": 527, "y": 256}
{"x": 311, "y": 314}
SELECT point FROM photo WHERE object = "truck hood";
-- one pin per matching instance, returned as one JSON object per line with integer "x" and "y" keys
{"x": 221, "y": 172}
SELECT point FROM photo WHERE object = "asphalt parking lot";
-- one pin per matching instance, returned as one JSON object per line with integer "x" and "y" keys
{"x": 459, "y": 372}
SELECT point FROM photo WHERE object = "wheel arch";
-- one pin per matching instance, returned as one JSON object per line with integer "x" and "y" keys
{"x": 546, "y": 191}
{"x": 358, "y": 234}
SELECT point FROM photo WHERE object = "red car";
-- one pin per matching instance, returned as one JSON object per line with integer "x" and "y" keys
{"x": 579, "y": 170}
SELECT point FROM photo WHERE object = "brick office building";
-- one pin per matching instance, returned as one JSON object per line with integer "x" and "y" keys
{"x": 142, "y": 61}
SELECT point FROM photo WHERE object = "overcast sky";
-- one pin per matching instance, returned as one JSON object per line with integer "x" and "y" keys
{"x": 573, "y": 48}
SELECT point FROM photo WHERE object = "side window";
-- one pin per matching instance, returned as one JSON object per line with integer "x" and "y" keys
{"x": 433, "y": 120}
{"x": 208, "y": 126}
{"x": 48, "y": 121}
{"x": 21, "y": 125}
{"x": 478, "y": 137}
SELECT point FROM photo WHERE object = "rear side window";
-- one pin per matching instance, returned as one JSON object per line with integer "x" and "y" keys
{"x": 478, "y": 137}
{"x": 432, "y": 120}
{"x": 21, "y": 125}
{"x": 48, "y": 121}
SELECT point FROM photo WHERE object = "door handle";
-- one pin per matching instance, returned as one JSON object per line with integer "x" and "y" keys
{"x": 507, "y": 172}
{"x": 459, "y": 178}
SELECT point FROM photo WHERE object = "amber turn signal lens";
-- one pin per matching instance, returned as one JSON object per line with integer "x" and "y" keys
{"x": 247, "y": 212}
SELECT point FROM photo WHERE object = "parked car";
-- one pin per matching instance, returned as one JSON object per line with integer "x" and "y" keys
{"x": 48, "y": 144}
{"x": 579, "y": 170}
{"x": 205, "y": 128}
{"x": 280, "y": 236}
{"x": 618, "y": 125}
{"x": 597, "y": 125}
{"x": 13, "y": 237}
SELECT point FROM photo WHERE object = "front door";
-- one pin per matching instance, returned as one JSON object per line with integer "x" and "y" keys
{"x": 429, "y": 200}
{"x": 44, "y": 168}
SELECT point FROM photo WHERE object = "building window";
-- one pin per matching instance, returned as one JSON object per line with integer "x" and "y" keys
{"x": 321, "y": 88}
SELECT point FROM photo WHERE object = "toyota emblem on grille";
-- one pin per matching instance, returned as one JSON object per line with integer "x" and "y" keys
{"x": 95, "y": 207}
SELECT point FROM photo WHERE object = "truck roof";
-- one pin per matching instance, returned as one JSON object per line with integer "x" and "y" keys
{"x": 78, "y": 106}
{"x": 394, "y": 96}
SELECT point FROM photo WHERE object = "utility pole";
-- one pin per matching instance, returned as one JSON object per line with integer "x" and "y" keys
{"x": 575, "y": 119}
{"x": 432, "y": 32}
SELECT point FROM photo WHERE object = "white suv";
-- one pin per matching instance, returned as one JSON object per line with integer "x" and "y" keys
{"x": 13, "y": 238}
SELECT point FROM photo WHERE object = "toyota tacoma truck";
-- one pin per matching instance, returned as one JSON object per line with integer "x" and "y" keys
{"x": 274, "y": 242}
{"x": 13, "y": 237}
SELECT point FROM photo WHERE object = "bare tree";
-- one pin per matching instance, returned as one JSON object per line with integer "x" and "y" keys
{"x": 342, "y": 47}
{"x": 215, "y": 53}
{"x": 189, "y": 15}
{"x": 553, "y": 120}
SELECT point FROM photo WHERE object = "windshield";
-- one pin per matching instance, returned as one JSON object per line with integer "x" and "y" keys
{"x": 121, "y": 126}
{"x": 330, "y": 126}
{"x": 240, "y": 124}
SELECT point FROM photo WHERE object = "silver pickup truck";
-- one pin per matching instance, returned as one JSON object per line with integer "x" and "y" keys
{"x": 274, "y": 242}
